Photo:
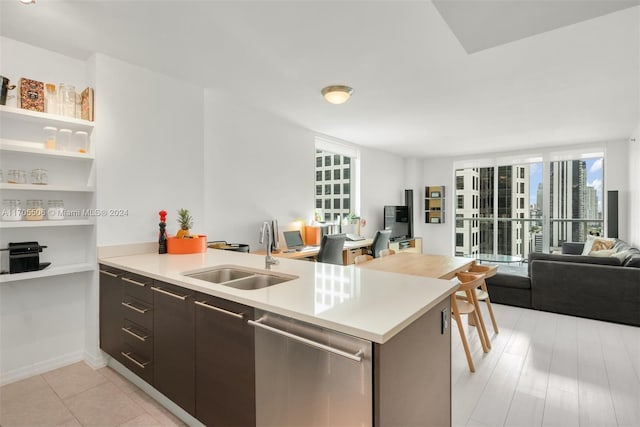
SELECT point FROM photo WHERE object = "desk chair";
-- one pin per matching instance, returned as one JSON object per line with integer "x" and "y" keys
{"x": 380, "y": 242}
{"x": 387, "y": 252}
{"x": 360, "y": 259}
{"x": 468, "y": 283}
{"x": 331, "y": 249}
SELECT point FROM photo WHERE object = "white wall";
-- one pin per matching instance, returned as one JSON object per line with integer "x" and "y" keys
{"x": 633, "y": 210}
{"x": 149, "y": 129}
{"x": 42, "y": 321}
{"x": 439, "y": 238}
{"x": 260, "y": 166}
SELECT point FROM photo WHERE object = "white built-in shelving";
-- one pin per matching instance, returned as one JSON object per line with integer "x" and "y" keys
{"x": 71, "y": 176}
{"x": 49, "y": 223}
{"x": 47, "y": 272}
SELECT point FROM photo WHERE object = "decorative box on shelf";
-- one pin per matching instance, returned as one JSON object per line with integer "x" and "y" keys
{"x": 187, "y": 246}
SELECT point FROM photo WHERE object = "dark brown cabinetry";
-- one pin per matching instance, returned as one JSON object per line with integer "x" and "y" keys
{"x": 174, "y": 344}
{"x": 225, "y": 370}
{"x": 126, "y": 320}
{"x": 110, "y": 316}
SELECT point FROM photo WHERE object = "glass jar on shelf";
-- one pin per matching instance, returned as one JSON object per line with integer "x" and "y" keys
{"x": 81, "y": 141}
{"x": 16, "y": 176}
{"x": 51, "y": 99}
{"x": 39, "y": 176}
{"x": 64, "y": 140}
{"x": 50, "y": 134}
{"x": 35, "y": 210}
{"x": 11, "y": 210}
{"x": 67, "y": 98}
{"x": 55, "y": 209}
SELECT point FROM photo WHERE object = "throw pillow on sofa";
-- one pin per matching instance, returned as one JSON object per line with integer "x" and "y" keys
{"x": 595, "y": 243}
{"x": 603, "y": 253}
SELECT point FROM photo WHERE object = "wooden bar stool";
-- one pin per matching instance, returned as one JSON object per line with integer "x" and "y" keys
{"x": 483, "y": 293}
{"x": 362, "y": 259}
{"x": 482, "y": 329}
{"x": 468, "y": 282}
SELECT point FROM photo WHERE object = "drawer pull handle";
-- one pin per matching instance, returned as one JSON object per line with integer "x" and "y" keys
{"x": 143, "y": 365}
{"x": 108, "y": 273}
{"x": 220, "y": 310}
{"x": 126, "y": 279}
{"x": 171, "y": 294}
{"x": 133, "y": 334}
{"x": 134, "y": 308}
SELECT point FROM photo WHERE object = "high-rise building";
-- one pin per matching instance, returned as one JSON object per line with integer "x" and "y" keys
{"x": 333, "y": 184}
{"x": 475, "y": 199}
{"x": 567, "y": 201}
{"x": 591, "y": 203}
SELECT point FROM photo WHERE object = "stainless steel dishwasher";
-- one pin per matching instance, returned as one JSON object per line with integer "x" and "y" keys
{"x": 310, "y": 376}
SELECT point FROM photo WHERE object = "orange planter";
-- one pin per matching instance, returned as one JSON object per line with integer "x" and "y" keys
{"x": 186, "y": 246}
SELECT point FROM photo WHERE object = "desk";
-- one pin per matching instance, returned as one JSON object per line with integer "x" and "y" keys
{"x": 348, "y": 246}
{"x": 437, "y": 266}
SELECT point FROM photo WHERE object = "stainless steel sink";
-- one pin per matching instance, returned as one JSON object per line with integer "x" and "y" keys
{"x": 258, "y": 281}
{"x": 241, "y": 277}
{"x": 221, "y": 275}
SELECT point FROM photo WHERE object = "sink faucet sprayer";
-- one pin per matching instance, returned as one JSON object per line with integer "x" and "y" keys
{"x": 268, "y": 259}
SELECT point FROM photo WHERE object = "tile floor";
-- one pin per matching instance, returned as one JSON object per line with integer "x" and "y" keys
{"x": 544, "y": 369}
{"x": 78, "y": 395}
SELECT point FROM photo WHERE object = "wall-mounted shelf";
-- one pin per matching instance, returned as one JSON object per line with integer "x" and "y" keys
{"x": 35, "y": 187}
{"x": 48, "y": 272}
{"x": 38, "y": 117}
{"x": 35, "y": 149}
{"x": 47, "y": 223}
{"x": 434, "y": 204}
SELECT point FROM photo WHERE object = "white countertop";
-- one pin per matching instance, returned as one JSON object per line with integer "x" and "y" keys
{"x": 368, "y": 304}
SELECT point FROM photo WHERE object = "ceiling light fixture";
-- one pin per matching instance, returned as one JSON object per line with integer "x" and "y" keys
{"x": 337, "y": 94}
{"x": 28, "y": 1}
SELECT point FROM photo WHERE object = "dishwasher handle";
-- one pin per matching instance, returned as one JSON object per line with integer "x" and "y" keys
{"x": 259, "y": 324}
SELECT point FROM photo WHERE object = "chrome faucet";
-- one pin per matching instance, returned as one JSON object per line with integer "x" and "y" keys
{"x": 268, "y": 259}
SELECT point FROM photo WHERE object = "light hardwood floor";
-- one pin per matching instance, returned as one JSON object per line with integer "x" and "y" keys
{"x": 547, "y": 369}
{"x": 544, "y": 369}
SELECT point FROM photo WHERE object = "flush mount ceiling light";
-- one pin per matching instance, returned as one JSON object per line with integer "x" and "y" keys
{"x": 337, "y": 94}
{"x": 28, "y": 1}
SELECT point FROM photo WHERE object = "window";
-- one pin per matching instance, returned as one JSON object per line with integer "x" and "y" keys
{"x": 318, "y": 190}
{"x": 333, "y": 166}
{"x": 532, "y": 204}
{"x": 459, "y": 239}
{"x": 460, "y": 182}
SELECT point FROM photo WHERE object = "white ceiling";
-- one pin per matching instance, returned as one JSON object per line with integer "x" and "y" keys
{"x": 565, "y": 80}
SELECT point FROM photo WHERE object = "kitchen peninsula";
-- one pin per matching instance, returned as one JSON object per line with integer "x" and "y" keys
{"x": 375, "y": 347}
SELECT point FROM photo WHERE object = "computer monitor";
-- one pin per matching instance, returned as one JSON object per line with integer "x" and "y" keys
{"x": 293, "y": 238}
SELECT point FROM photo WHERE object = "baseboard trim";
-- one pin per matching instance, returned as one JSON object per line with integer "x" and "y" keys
{"x": 155, "y": 394}
{"x": 40, "y": 367}
{"x": 96, "y": 362}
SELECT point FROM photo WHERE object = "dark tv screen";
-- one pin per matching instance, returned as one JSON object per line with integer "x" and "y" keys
{"x": 396, "y": 219}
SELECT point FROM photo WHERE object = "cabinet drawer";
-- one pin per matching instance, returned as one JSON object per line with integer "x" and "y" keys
{"x": 137, "y": 286}
{"x": 137, "y": 363}
{"x": 137, "y": 311}
{"x": 350, "y": 255}
{"x": 138, "y": 338}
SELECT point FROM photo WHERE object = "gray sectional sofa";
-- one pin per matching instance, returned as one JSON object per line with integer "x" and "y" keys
{"x": 602, "y": 288}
